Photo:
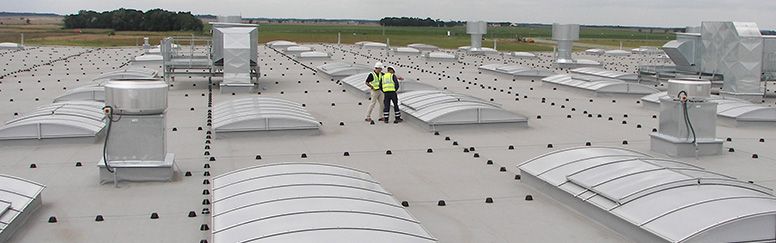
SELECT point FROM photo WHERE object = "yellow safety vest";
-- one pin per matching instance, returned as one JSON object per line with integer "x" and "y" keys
{"x": 376, "y": 78}
{"x": 388, "y": 84}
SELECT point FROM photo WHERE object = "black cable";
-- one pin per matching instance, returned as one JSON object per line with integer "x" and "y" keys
{"x": 109, "y": 115}
{"x": 687, "y": 122}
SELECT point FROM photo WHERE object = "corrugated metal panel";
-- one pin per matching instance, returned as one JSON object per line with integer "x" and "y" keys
{"x": 599, "y": 84}
{"x": 341, "y": 69}
{"x": 307, "y": 202}
{"x": 261, "y": 114}
{"x": 59, "y": 120}
{"x": 445, "y": 108}
{"x": 670, "y": 199}
{"x": 18, "y": 199}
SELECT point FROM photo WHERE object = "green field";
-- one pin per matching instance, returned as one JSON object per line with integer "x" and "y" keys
{"x": 53, "y": 34}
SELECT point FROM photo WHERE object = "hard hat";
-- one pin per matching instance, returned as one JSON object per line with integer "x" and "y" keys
{"x": 378, "y": 65}
{"x": 391, "y": 67}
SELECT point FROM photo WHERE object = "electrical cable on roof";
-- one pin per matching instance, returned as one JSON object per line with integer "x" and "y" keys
{"x": 687, "y": 122}
{"x": 109, "y": 114}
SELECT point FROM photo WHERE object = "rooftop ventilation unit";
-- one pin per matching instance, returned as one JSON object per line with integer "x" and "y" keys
{"x": 236, "y": 49}
{"x": 357, "y": 82}
{"x": 599, "y": 85}
{"x": 476, "y": 29}
{"x": 517, "y": 71}
{"x": 735, "y": 50}
{"x": 688, "y": 121}
{"x": 69, "y": 119}
{"x": 308, "y": 202}
{"x": 565, "y": 35}
{"x": 135, "y": 142}
{"x": 261, "y": 114}
{"x": 342, "y": 69}
{"x": 654, "y": 200}
{"x": 19, "y": 199}
{"x": 436, "y": 108}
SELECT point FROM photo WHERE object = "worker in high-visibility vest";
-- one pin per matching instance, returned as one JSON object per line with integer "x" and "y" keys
{"x": 389, "y": 86}
{"x": 376, "y": 96}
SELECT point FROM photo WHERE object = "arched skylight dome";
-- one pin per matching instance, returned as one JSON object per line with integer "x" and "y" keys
{"x": 148, "y": 58}
{"x": 423, "y": 47}
{"x": 617, "y": 53}
{"x": 522, "y": 54}
{"x": 599, "y": 85}
{"x": 438, "y": 55}
{"x": 652, "y": 199}
{"x": 313, "y": 54}
{"x": 281, "y": 44}
{"x": 298, "y": 49}
{"x": 261, "y": 114}
{"x": 10, "y": 45}
{"x": 406, "y": 50}
{"x": 595, "y": 51}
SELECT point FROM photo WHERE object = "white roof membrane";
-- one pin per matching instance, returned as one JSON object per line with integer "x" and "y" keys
{"x": 308, "y": 202}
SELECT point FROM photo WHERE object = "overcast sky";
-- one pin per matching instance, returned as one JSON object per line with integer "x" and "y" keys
{"x": 674, "y": 13}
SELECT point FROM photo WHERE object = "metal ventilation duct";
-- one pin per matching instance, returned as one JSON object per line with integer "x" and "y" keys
{"x": 565, "y": 35}
{"x": 19, "y": 199}
{"x": 604, "y": 73}
{"x": 238, "y": 46}
{"x": 654, "y": 200}
{"x": 735, "y": 50}
{"x": 357, "y": 82}
{"x": 517, "y": 70}
{"x": 476, "y": 29}
{"x": 261, "y": 114}
{"x": 599, "y": 85}
{"x": 70, "y": 119}
{"x": 307, "y": 202}
{"x": 445, "y": 108}
{"x": 342, "y": 69}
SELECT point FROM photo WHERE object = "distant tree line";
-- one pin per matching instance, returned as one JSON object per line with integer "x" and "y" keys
{"x": 406, "y": 21}
{"x": 131, "y": 19}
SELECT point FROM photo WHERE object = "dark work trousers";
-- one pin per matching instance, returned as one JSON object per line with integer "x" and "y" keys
{"x": 390, "y": 97}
